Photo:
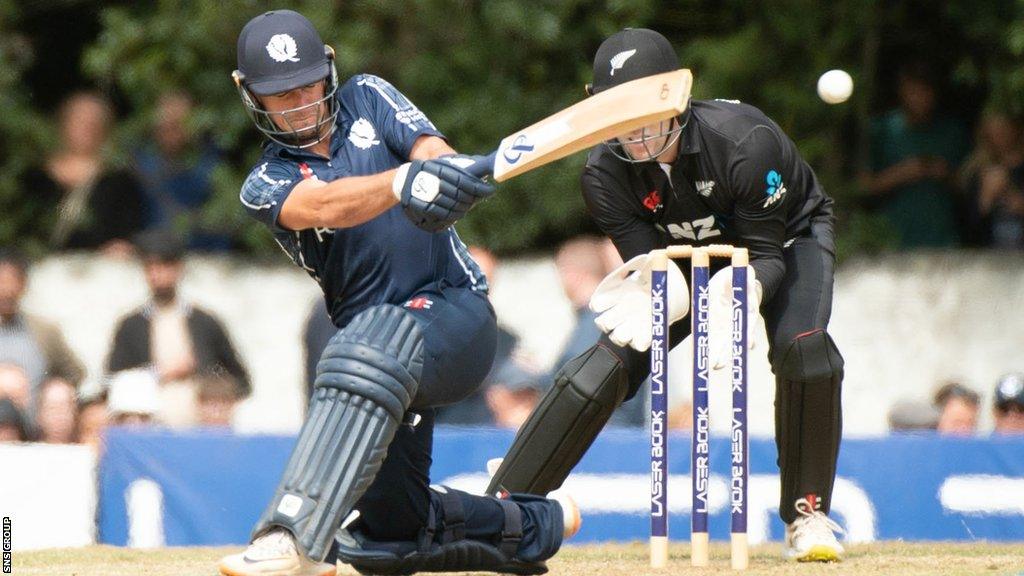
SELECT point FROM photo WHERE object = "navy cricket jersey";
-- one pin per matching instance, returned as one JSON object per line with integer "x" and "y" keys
{"x": 386, "y": 260}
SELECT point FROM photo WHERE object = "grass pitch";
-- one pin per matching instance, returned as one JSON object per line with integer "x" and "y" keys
{"x": 896, "y": 558}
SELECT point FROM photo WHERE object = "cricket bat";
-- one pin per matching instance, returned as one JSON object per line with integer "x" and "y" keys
{"x": 608, "y": 114}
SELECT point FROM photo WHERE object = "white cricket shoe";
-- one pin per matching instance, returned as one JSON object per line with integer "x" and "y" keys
{"x": 811, "y": 537}
{"x": 571, "y": 519}
{"x": 273, "y": 554}
{"x": 492, "y": 466}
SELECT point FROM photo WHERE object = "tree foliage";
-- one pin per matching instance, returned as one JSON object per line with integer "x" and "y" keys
{"x": 483, "y": 68}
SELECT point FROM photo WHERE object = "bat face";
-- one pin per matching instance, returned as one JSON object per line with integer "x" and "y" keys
{"x": 611, "y": 113}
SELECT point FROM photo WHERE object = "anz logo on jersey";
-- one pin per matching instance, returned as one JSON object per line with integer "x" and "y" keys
{"x": 697, "y": 230}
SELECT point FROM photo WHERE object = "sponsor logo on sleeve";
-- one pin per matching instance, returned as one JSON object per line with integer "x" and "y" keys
{"x": 776, "y": 189}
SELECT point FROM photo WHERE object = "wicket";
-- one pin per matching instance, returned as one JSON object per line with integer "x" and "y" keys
{"x": 700, "y": 454}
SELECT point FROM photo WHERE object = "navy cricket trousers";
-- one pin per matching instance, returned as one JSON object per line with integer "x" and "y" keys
{"x": 460, "y": 335}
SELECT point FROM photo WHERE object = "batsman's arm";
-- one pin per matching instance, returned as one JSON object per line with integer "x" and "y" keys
{"x": 342, "y": 203}
{"x": 350, "y": 201}
{"x": 430, "y": 147}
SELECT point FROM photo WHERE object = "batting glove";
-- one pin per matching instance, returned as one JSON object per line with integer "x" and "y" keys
{"x": 436, "y": 193}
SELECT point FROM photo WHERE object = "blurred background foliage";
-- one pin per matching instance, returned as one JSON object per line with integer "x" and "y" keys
{"x": 483, "y": 68}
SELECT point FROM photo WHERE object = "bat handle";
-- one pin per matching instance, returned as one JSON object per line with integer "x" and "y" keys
{"x": 485, "y": 167}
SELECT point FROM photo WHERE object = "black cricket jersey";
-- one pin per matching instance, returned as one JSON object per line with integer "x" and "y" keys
{"x": 738, "y": 179}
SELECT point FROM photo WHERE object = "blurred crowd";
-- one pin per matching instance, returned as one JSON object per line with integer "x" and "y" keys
{"x": 172, "y": 363}
{"x": 931, "y": 182}
{"x": 936, "y": 188}
{"x": 169, "y": 361}
{"x": 954, "y": 410}
{"x": 81, "y": 196}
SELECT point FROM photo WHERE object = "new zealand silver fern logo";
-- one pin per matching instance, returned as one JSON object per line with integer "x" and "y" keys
{"x": 619, "y": 60}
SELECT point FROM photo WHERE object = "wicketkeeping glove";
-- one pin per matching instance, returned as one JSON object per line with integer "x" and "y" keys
{"x": 436, "y": 193}
{"x": 720, "y": 329}
{"x": 623, "y": 300}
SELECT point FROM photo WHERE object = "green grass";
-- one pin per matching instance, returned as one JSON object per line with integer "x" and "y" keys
{"x": 896, "y": 558}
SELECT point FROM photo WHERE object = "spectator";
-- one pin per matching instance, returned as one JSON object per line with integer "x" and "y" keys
{"x": 958, "y": 410}
{"x": 994, "y": 180}
{"x": 57, "y": 413}
{"x": 474, "y": 410}
{"x": 35, "y": 345}
{"x": 680, "y": 408}
{"x": 318, "y": 331}
{"x": 582, "y": 263}
{"x": 77, "y": 198}
{"x": 179, "y": 340}
{"x": 175, "y": 171}
{"x": 507, "y": 341}
{"x": 914, "y": 153}
{"x": 912, "y": 416}
{"x": 512, "y": 396}
{"x": 92, "y": 420}
{"x": 581, "y": 267}
{"x": 134, "y": 398}
{"x": 15, "y": 386}
{"x": 1009, "y": 404}
{"x": 218, "y": 397}
{"x": 12, "y": 423}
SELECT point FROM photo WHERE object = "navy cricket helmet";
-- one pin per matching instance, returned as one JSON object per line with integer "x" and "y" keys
{"x": 280, "y": 51}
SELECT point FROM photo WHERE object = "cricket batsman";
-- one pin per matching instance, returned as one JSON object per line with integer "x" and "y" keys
{"x": 360, "y": 190}
{"x": 722, "y": 172}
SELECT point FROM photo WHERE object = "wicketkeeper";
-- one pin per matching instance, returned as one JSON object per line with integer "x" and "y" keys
{"x": 722, "y": 172}
{"x": 360, "y": 190}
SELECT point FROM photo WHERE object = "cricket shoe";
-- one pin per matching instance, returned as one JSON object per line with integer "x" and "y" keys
{"x": 812, "y": 536}
{"x": 273, "y": 554}
{"x": 571, "y": 519}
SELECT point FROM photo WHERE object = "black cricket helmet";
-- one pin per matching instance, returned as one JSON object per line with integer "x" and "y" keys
{"x": 632, "y": 54}
{"x": 280, "y": 51}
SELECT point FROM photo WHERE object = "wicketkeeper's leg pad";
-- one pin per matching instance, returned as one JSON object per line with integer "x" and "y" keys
{"x": 366, "y": 380}
{"x": 442, "y": 545}
{"x": 564, "y": 424}
{"x": 808, "y": 419}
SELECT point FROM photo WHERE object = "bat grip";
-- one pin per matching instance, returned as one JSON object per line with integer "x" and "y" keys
{"x": 485, "y": 167}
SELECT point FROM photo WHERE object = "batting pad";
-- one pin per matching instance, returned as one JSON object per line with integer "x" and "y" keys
{"x": 366, "y": 379}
